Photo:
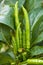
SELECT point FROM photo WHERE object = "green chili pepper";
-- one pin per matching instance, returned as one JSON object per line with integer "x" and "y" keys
{"x": 27, "y": 28}
{"x": 14, "y": 45}
{"x": 16, "y": 14}
{"x": 24, "y": 46}
{"x": 20, "y": 37}
{"x": 35, "y": 61}
{"x": 17, "y": 24}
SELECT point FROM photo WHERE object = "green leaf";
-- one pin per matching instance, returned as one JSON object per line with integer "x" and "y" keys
{"x": 6, "y": 16}
{"x": 21, "y": 3}
{"x": 39, "y": 38}
{"x": 11, "y": 54}
{"x": 36, "y": 50}
{"x": 32, "y": 4}
{"x": 12, "y": 2}
{"x": 6, "y": 23}
{"x": 37, "y": 19}
{"x": 5, "y": 58}
{"x": 33, "y": 14}
{"x": 3, "y": 31}
{"x": 0, "y": 0}
{"x": 35, "y": 28}
{"x": 38, "y": 3}
{"x": 8, "y": 2}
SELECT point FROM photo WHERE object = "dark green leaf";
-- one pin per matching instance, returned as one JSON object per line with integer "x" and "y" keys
{"x": 32, "y": 4}
{"x": 12, "y": 2}
{"x": 6, "y": 16}
{"x": 38, "y": 19}
{"x": 5, "y": 58}
{"x": 39, "y": 38}
{"x": 21, "y": 3}
{"x": 4, "y": 33}
{"x": 36, "y": 50}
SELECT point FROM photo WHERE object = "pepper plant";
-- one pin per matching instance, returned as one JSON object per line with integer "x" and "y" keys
{"x": 21, "y": 32}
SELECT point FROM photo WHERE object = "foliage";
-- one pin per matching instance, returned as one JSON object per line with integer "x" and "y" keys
{"x": 21, "y": 32}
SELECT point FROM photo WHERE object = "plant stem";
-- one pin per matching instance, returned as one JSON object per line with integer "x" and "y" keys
{"x": 24, "y": 56}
